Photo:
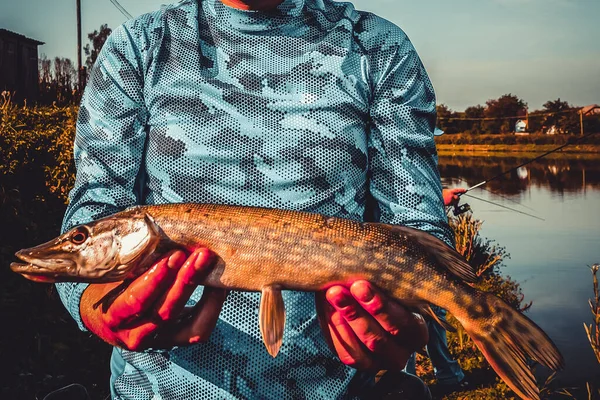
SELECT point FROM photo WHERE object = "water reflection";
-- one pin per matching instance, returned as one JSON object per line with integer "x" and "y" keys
{"x": 564, "y": 175}
{"x": 549, "y": 258}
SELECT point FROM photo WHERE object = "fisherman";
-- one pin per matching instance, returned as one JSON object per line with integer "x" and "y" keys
{"x": 452, "y": 196}
{"x": 295, "y": 104}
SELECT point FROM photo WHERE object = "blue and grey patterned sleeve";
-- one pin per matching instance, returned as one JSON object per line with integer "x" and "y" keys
{"x": 404, "y": 179}
{"x": 109, "y": 144}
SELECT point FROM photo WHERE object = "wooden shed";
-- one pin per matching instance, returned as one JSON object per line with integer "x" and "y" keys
{"x": 19, "y": 66}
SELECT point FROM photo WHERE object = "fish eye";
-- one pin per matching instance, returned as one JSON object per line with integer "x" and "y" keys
{"x": 79, "y": 236}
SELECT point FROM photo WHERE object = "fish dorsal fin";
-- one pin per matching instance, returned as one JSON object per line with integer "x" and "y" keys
{"x": 271, "y": 318}
{"x": 425, "y": 309}
{"x": 437, "y": 251}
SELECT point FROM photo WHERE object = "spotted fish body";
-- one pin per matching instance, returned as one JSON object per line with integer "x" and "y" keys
{"x": 268, "y": 250}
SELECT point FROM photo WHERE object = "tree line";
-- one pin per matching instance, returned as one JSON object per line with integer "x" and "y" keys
{"x": 500, "y": 116}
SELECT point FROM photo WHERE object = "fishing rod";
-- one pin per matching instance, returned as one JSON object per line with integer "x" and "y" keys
{"x": 463, "y": 208}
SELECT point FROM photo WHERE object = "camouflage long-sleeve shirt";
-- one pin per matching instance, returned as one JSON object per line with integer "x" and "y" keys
{"x": 314, "y": 107}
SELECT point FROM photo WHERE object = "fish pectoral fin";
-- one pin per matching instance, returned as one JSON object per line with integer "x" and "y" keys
{"x": 271, "y": 318}
{"x": 427, "y": 310}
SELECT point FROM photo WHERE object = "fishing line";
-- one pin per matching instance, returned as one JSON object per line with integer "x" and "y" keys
{"x": 505, "y": 198}
{"x": 119, "y": 7}
{"x": 508, "y": 208}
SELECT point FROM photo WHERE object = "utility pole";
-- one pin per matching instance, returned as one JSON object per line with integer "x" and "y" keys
{"x": 80, "y": 68}
{"x": 581, "y": 120}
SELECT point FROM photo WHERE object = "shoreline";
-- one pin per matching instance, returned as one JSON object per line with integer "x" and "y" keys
{"x": 518, "y": 150}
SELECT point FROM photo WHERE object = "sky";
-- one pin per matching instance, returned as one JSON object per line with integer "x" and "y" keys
{"x": 473, "y": 50}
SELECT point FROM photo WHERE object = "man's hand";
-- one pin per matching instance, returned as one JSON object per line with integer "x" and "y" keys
{"x": 367, "y": 330}
{"x": 451, "y": 196}
{"x": 148, "y": 314}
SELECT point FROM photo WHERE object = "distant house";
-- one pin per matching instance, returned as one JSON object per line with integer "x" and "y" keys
{"x": 19, "y": 65}
{"x": 521, "y": 127}
{"x": 592, "y": 109}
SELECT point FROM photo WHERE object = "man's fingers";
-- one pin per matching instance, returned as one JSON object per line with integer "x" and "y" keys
{"x": 204, "y": 318}
{"x": 364, "y": 325}
{"x": 324, "y": 311}
{"x": 138, "y": 338}
{"x": 356, "y": 332}
{"x": 368, "y": 315}
{"x": 390, "y": 315}
{"x": 142, "y": 293}
{"x": 196, "y": 267}
{"x": 348, "y": 347}
{"x": 407, "y": 328}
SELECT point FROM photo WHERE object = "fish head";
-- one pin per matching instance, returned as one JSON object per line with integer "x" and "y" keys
{"x": 108, "y": 250}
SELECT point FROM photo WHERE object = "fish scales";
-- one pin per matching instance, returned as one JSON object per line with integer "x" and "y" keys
{"x": 268, "y": 250}
{"x": 253, "y": 246}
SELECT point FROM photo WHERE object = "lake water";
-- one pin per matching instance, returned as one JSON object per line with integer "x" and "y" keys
{"x": 548, "y": 258}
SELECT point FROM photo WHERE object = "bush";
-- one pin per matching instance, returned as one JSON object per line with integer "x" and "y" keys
{"x": 36, "y": 150}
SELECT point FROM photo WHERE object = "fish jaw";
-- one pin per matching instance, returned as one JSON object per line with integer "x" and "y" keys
{"x": 40, "y": 266}
{"x": 36, "y": 274}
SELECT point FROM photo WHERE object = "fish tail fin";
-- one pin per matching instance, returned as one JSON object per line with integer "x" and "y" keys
{"x": 507, "y": 338}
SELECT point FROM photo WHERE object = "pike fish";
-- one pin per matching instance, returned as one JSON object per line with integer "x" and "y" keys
{"x": 268, "y": 250}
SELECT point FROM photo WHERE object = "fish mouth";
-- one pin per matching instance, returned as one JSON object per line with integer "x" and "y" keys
{"x": 43, "y": 270}
{"x": 34, "y": 273}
